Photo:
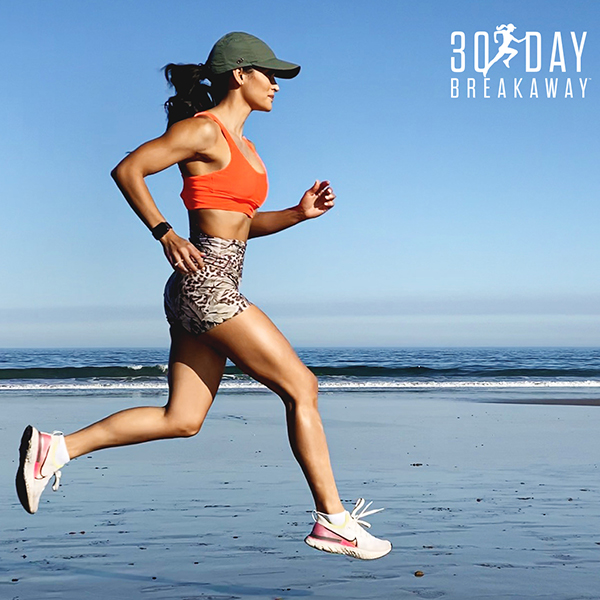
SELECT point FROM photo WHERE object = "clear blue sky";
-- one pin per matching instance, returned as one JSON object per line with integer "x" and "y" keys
{"x": 459, "y": 221}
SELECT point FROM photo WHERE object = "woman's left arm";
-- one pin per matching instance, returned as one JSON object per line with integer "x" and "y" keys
{"x": 315, "y": 202}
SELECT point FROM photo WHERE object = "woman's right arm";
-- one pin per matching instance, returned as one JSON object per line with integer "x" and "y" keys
{"x": 182, "y": 141}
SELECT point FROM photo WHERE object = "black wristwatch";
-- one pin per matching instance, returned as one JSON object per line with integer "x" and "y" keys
{"x": 160, "y": 230}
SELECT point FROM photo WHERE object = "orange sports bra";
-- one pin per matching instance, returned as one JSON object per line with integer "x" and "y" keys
{"x": 238, "y": 187}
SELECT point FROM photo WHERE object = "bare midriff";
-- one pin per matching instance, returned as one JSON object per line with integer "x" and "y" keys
{"x": 220, "y": 223}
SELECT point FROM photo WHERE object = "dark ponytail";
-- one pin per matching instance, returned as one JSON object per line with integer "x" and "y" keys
{"x": 196, "y": 89}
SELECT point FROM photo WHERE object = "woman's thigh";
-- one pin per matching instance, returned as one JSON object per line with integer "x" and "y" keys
{"x": 195, "y": 372}
{"x": 258, "y": 348}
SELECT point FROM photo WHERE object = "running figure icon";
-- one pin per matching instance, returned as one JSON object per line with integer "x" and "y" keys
{"x": 507, "y": 37}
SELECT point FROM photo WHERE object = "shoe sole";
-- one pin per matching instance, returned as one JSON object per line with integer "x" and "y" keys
{"x": 351, "y": 551}
{"x": 26, "y": 466}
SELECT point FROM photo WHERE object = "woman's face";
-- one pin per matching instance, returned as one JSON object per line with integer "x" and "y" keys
{"x": 259, "y": 88}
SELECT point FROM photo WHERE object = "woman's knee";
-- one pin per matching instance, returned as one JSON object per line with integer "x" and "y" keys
{"x": 188, "y": 429}
{"x": 305, "y": 393}
{"x": 182, "y": 426}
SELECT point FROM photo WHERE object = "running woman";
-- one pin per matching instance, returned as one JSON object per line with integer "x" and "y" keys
{"x": 224, "y": 185}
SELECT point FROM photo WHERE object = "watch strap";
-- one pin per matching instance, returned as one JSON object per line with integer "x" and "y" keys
{"x": 160, "y": 230}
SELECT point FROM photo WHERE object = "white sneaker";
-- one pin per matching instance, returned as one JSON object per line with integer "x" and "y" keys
{"x": 350, "y": 538}
{"x": 37, "y": 465}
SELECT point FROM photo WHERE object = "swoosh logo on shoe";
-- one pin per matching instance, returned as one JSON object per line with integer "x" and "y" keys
{"x": 338, "y": 539}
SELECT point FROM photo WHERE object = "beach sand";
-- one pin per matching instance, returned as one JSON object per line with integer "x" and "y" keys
{"x": 487, "y": 500}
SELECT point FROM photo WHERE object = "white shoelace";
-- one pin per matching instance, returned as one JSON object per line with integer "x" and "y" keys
{"x": 56, "y": 484}
{"x": 365, "y": 512}
{"x": 57, "y": 474}
{"x": 357, "y": 516}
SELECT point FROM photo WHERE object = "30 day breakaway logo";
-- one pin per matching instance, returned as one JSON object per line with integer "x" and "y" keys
{"x": 534, "y": 55}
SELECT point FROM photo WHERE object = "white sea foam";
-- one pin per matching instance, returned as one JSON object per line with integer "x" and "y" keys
{"x": 232, "y": 384}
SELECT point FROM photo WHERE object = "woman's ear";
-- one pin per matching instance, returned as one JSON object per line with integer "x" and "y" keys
{"x": 238, "y": 76}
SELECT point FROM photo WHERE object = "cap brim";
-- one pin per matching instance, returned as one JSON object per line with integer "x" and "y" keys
{"x": 281, "y": 68}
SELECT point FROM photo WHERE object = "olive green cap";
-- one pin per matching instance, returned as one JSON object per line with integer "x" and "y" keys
{"x": 238, "y": 49}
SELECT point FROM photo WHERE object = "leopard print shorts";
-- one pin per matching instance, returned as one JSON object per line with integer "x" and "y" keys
{"x": 199, "y": 301}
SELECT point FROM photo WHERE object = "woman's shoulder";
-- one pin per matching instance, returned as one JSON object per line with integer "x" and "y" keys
{"x": 200, "y": 130}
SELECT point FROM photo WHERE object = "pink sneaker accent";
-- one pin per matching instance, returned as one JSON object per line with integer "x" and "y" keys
{"x": 44, "y": 442}
{"x": 322, "y": 533}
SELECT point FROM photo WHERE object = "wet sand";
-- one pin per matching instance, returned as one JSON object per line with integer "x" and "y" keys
{"x": 487, "y": 500}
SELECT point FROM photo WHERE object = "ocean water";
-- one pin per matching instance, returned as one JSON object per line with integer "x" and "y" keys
{"x": 562, "y": 375}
